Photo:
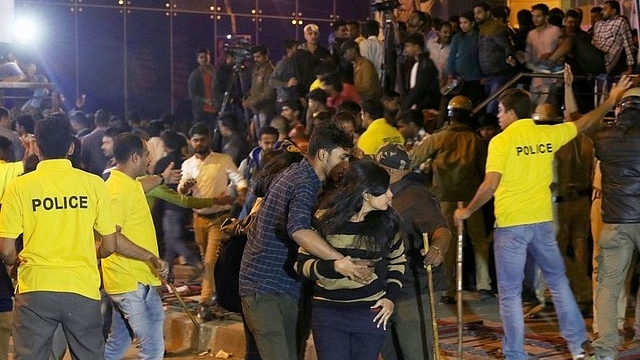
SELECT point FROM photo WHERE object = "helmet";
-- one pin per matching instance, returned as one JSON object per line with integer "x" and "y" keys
{"x": 630, "y": 99}
{"x": 460, "y": 102}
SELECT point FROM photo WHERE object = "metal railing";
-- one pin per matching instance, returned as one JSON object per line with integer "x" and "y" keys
{"x": 509, "y": 84}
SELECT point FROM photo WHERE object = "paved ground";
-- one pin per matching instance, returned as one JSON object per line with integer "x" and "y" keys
{"x": 474, "y": 310}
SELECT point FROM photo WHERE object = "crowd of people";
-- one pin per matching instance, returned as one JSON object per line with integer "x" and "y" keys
{"x": 339, "y": 162}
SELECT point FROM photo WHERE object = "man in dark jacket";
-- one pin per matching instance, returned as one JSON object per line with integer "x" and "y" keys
{"x": 494, "y": 52}
{"x": 423, "y": 91}
{"x": 261, "y": 98}
{"x": 421, "y": 216}
{"x": 201, "y": 89}
{"x": 618, "y": 148}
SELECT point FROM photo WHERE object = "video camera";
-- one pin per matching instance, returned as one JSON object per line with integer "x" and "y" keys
{"x": 384, "y": 6}
{"x": 239, "y": 47}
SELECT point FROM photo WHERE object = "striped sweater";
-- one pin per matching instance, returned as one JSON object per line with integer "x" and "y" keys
{"x": 331, "y": 287}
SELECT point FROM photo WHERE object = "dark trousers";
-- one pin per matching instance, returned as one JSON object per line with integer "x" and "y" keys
{"x": 37, "y": 315}
{"x": 346, "y": 333}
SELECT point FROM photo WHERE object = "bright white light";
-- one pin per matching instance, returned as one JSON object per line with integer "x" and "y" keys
{"x": 229, "y": 36}
{"x": 25, "y": 30}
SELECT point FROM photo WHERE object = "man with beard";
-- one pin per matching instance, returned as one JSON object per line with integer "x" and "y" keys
{"x": 201, "y": 89}
{"x": 612, "y": 35}
{"x": 438, "y": 49}
{"x": 494, "y": 50}
{"x": 207, "y": 174}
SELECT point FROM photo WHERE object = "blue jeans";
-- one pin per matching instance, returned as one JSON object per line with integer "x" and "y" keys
{"x": 511, "y": 245}
{"x": 491, "y": 86}
{"x": 342, "y": 333}
{"x": 142, "y": 311}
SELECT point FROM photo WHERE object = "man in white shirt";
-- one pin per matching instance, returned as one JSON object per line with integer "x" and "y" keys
{"x": 371, "y": 47}
{"x": 208, "y": 174}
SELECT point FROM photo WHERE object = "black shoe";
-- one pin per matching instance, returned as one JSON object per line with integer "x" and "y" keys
{"x": 448, "y": 300}
{"x": 486, "y": 295}
{"x": 204, "y": 312}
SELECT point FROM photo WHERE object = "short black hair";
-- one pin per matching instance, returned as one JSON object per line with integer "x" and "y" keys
{"x": 268, "y": 130}
{"x": 294, "y": 104}
{"x": 573, "y": 13}
{"x": 371, "y": 28}
{"x": 328, "y": 135}
{"x": 290, "y": 43}
{"x": 415, "y": 39}
{"x": 232, "y": 121}
{"x": 318, "y": 95}
{"x": 614, "y": 5}
{"x": 53, "y": 137}
{"x": 203, "y": 50}
{"x": 338, "y": 23}
{"x": 541, "y": 7}
{"x": 517, "y": 100}
{"x": 350, "y": 44}
{"x": 199, "y": 129}
{"x": 102, "y": 117}
{"x": 349, "y": 106}
{"x": 596, "y": 9}
{"x": 4, "y": 112}
{"x": 80, "y": 118}
{"x": 127, "y": 144}
{"x": 484, "y": 5}
{"x": 155, "y": 128}
{"x": 502, "y": 12}
{"x": 173, "y": 140}
{"x": 113, "y": 132}
{"x": 27, "y": 123}
{"x": 260, "y": 49}
{"x": 467, "y": 15}
{"x": 324, "y": 68}
{"x": 332, "y": 79}
{"x": 374, "y": 108}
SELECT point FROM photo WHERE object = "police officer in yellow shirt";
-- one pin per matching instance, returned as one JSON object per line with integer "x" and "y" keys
{"x": 58, "y": 208}
{"x": 519, "y": 173}
{"x": 130, "y": 283}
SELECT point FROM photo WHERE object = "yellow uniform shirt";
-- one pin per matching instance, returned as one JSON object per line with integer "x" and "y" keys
{"x": 378, "y": 134}
{"x": 523, "y": 153}
{"x": 131, "y": 212}
{"x": 8, "y": 172}
{"x": 57, "y": 208}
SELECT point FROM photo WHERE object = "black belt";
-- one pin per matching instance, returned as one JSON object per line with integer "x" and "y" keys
{"x": 213, "y": 215}
{"x": 572, "y": 195}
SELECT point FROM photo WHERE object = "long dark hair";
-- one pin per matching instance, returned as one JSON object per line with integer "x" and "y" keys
{"x": 345, "y": 201}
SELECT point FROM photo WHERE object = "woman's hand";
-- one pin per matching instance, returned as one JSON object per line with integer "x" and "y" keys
{"x": 386, "y": 309}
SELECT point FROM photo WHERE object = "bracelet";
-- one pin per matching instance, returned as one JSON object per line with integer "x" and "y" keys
{"x": 437, "y": 249}
{"x": 161, "y": 179}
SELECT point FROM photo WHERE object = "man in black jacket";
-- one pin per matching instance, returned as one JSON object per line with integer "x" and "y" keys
{"x": 618, "y": 148}
{"x": 421, "y": 79}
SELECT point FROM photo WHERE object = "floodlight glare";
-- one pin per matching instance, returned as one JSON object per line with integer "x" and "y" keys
{"x": 25, "y": 30}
